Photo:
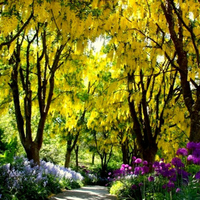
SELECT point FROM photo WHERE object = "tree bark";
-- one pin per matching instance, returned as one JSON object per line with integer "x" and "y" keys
{"x": 76, "y": 153}
{"x": 93, "y": 158}
{"x": 68, "y": 153}
{"x": 20, "y": 76}
{"x": 192, "y": 104}
{"x": 32, "y": 152}
{"x": 67, "y": 158}
{"x": 146, "y": 135}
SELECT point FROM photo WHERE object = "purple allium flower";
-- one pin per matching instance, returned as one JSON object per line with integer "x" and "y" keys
{"x": 183, "y": 173}
{"x": 134, "y": 187}
{"x": 129, "y": 167}
{"x": 145, "y": 170}
{"x": 173, "y": 179}
{"x": 190, "y": 158}
{"x": 191, "y": 145}
{"x": 140, "y": 184}
{"x": 197, "y": 176}
{"x": 155, "y": 164}
{"x": 167, "y": 165}
{"x": 150, "y": 178}
{"x": 122, "y": 168}
{"x": 178, "y": 190}
{"x": 164, "y": 186}
{"x": 133, "y": 158}
{"x": 126, "y": 165}
{"x": 145, "y": 162}
{"x": 137, "y": 170}
{"x": 182, "y": 151}
{"x": 109, "y": 173}
{"x": 170, "y": 184}
{"x": 196, "y": 152}
{"x": 138, "y": 160}
{"x": 177, "y": 162}
{"x": 196, "y": 160}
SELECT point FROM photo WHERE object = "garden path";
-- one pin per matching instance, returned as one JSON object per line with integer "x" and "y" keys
{"x": 93, "y": 192}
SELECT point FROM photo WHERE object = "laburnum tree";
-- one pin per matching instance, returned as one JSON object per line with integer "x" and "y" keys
{"x": 182, "y": 19}
{"x": 70, "y": 119}
{"x": 151, "y": 82}
{"x": 37, "y": 39}
{"x": 172, "y": 28}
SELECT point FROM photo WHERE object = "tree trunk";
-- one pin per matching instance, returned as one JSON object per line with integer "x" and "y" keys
{"x": 32, "y": 152}
{"x": 103, "y": 167}
{"x": 67, "y": 158}
{"x": 125, "y": 153}
{"x": 76, "y": 153}
{"x": 149, "y": 154}
{"x": 192, "y": 104}
{"x": 93, "y": 157}
{"x": 195, "y": 125}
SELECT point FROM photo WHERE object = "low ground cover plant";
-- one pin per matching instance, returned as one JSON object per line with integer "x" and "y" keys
{"x": 22, "y": 180}
{"x": 90, "y": 178}
{"x": 178, "y": 179}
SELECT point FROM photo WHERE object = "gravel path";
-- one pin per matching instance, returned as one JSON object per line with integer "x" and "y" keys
{"x": 88, "y": 192}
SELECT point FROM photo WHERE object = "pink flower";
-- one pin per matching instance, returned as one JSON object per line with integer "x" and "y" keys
{"x": 138, "y": 160}
{"x": 178, "y": 190}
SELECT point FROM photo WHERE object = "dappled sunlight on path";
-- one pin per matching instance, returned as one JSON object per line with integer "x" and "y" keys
{"x": 88, "y": 192}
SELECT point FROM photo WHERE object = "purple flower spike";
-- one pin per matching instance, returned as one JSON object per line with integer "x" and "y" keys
{"x": 182, "y": 151}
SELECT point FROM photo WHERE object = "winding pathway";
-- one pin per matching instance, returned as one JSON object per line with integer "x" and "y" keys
{"x": 93, "y": 192}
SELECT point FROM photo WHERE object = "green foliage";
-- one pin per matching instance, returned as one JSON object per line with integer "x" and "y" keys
{"x": 116, "y": 188}
{"x": 2, "y": 144}
{"x": 71, "y": 184}
{"x": 10, "y": 148}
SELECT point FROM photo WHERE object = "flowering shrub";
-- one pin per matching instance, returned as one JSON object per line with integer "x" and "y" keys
{"x": 89, "y": 177}
{"x": 23, "y": 180}
{"x": 168, "y": 180}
